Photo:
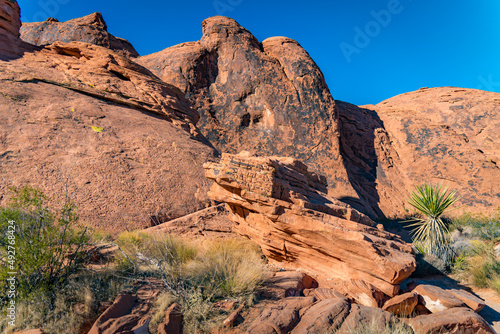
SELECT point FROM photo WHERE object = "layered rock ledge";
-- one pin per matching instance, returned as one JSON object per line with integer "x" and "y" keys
{"x": 283, "y": 207}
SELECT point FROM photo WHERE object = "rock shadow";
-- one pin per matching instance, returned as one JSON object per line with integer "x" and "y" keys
{"x": 357, "y": 146}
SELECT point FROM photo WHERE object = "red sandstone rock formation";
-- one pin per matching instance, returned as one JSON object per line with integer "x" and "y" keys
{"x": 284, "y": 208}
{"x": 89, "y": 29}
{"x": 81, "y": 119}
{"x": 268, "y": 98}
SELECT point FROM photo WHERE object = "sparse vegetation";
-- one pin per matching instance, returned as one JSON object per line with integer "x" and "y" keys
{"x": 380, "y": 327}
{"x": 58, "y": 292}
{"x": 196, "y": 274}
{"x": 479, "y": 266}
{"x": 40, "y": 245}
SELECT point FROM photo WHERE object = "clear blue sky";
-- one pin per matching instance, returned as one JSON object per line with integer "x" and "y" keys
{"x": 421, "y": 43}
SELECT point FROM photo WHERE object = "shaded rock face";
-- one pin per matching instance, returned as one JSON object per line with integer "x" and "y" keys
{"x": 268, "y": 98}
{"x": 10, "y": 18}
{"x": 283, "y": 207}
{"x": 10, "y": 22}
{"x": 81, "y": 119}
{"x": 89, "y": 29}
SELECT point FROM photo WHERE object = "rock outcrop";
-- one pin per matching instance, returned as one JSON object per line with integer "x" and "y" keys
{"x": 283, "y": 207}
{"x": 447, "y": 135}
{"x": 89, "y": 29}
{"x": 81, "y": 120}
{"x": 11, "y": 45}
{"x": 268, "y": 98}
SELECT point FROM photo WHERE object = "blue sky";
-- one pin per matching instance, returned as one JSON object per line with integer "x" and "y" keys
{"x": 369, "y": 50}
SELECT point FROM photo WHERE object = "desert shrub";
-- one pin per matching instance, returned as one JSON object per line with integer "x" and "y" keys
{"x": 55, "y": 311}
{"x": 479, "y": 266}
{"x": 227, "y": 267}
{"x": 39, "y": 244}
{"x": 483, "y": 226}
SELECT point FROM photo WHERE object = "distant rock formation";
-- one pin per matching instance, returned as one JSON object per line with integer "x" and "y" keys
{"x": 447, "y": 135}
{"x": 269, "y": 98}
{"x": 89, "y": 29}
{"x": 281, "y": 206}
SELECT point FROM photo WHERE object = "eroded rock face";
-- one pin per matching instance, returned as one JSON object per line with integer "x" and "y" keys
{"x": 283, "y": 207}
{"x": 268, "y": 98}
{"x": 89, "y": 29}
{"x": 447, "y": 135}
{"x": 77, "y": 118}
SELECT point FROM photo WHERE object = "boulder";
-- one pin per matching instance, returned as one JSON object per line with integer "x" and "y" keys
{"x": 436, "y": 299}
{"x": 325, "y": 316}
{"x": 129, "y": 313}
{"x": 460, "y": 320}
{"x": 365, "y": 319}
{"x": 283, "y": 207}
{"x": 231, "y": 318}
{"x": 281, "y": 317}
{"x": 89, "y": 29}
{"x": 287, "y": 284}
{"x": 472, "y": 301}
{"x": 402, "y": 305}
{"x": 173, "y": 321}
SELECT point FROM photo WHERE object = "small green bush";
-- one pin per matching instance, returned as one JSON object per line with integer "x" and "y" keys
{"x": 483, "y": 226}
{"x": 41, "y": 246}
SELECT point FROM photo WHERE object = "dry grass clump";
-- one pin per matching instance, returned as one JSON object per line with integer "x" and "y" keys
{"x": 480, "y": 266}
{"x": 196, "y": 273}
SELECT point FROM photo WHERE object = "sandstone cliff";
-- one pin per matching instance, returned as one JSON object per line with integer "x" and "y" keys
{"x": 78, "y": 118}
{"x": 269, "y": 98}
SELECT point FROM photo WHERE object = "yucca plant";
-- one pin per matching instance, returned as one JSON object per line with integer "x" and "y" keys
{"x": 431, "y": 230}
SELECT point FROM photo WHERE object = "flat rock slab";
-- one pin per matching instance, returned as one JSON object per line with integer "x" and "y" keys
{"x": 287, "y": 284}
{"x": 472, "y": 301}
{"x": 460, "y": 320}
{"x": 323, "y": 293}
{"x": 436, "y": 299}
{"x": 364, "y": 318}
